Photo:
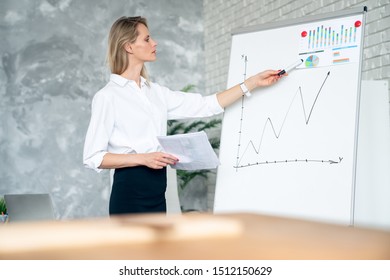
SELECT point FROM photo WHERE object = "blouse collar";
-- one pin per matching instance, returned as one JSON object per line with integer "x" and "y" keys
{"x": 121, "y": 81}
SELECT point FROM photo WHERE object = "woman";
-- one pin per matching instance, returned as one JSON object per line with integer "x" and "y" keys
{"x": 129, "y": 112}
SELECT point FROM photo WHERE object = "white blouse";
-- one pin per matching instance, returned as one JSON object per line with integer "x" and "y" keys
{"x": 126, "y": 119}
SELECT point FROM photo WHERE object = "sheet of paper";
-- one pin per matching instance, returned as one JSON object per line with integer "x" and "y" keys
{"x": 193, "y": 150}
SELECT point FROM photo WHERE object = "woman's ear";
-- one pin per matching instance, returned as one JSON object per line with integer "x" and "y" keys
{"x": 128, "y": 48}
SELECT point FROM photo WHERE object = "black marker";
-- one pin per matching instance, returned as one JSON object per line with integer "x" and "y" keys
{"x": 291, "y": 67}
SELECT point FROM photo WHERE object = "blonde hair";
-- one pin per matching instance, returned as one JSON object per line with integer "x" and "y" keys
{"x": 124, "y": 30}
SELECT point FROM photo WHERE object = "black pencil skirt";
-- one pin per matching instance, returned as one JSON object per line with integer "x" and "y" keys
{"x": 138, "y": 189}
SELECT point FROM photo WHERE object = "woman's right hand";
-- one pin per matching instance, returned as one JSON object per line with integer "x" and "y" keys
{"x": 159, "y": 160}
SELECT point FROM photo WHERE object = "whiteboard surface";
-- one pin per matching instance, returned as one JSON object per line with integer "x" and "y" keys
{"x": 289, "y": 149}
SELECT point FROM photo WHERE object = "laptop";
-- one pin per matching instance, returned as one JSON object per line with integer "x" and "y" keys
{"x": 29, "y": 207}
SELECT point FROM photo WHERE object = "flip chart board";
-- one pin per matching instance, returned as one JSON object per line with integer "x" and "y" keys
{"x": 290, "y": 149}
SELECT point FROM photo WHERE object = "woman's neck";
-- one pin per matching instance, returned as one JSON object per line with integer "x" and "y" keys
{"x": 133, "y": 73}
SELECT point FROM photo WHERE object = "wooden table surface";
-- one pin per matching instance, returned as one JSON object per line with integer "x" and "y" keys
{"x": 191, "y": 237}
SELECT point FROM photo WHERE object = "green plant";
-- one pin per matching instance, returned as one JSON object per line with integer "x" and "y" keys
{"x": 3, "y": 207}
{"x": 180, "y": 127}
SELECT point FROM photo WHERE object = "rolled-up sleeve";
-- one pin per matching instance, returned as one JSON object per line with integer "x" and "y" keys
{"x": 99, "y": 131}
{"x": 182, "y": 105}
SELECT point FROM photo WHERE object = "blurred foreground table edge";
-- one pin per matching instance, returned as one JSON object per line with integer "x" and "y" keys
{"x": 191, "y": 237}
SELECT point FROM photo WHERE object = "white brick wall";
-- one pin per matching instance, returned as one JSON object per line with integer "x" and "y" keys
{"x": 223, "y": 16}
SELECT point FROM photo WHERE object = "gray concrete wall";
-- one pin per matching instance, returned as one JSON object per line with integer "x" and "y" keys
{"x": 52, "y": 63}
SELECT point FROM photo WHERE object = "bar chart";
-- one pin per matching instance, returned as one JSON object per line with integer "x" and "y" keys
{"x": 325, "y": 44}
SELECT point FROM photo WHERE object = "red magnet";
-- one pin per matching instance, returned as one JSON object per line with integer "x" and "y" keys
{"x": 304, "y": 33}
{"x": 358, "y": 23}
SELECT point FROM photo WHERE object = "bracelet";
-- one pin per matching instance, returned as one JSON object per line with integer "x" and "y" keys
{"x": 245, "y": 90}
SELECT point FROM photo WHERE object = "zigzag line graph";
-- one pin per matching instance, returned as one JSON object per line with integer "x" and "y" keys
{"x": 251, "y": 146}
